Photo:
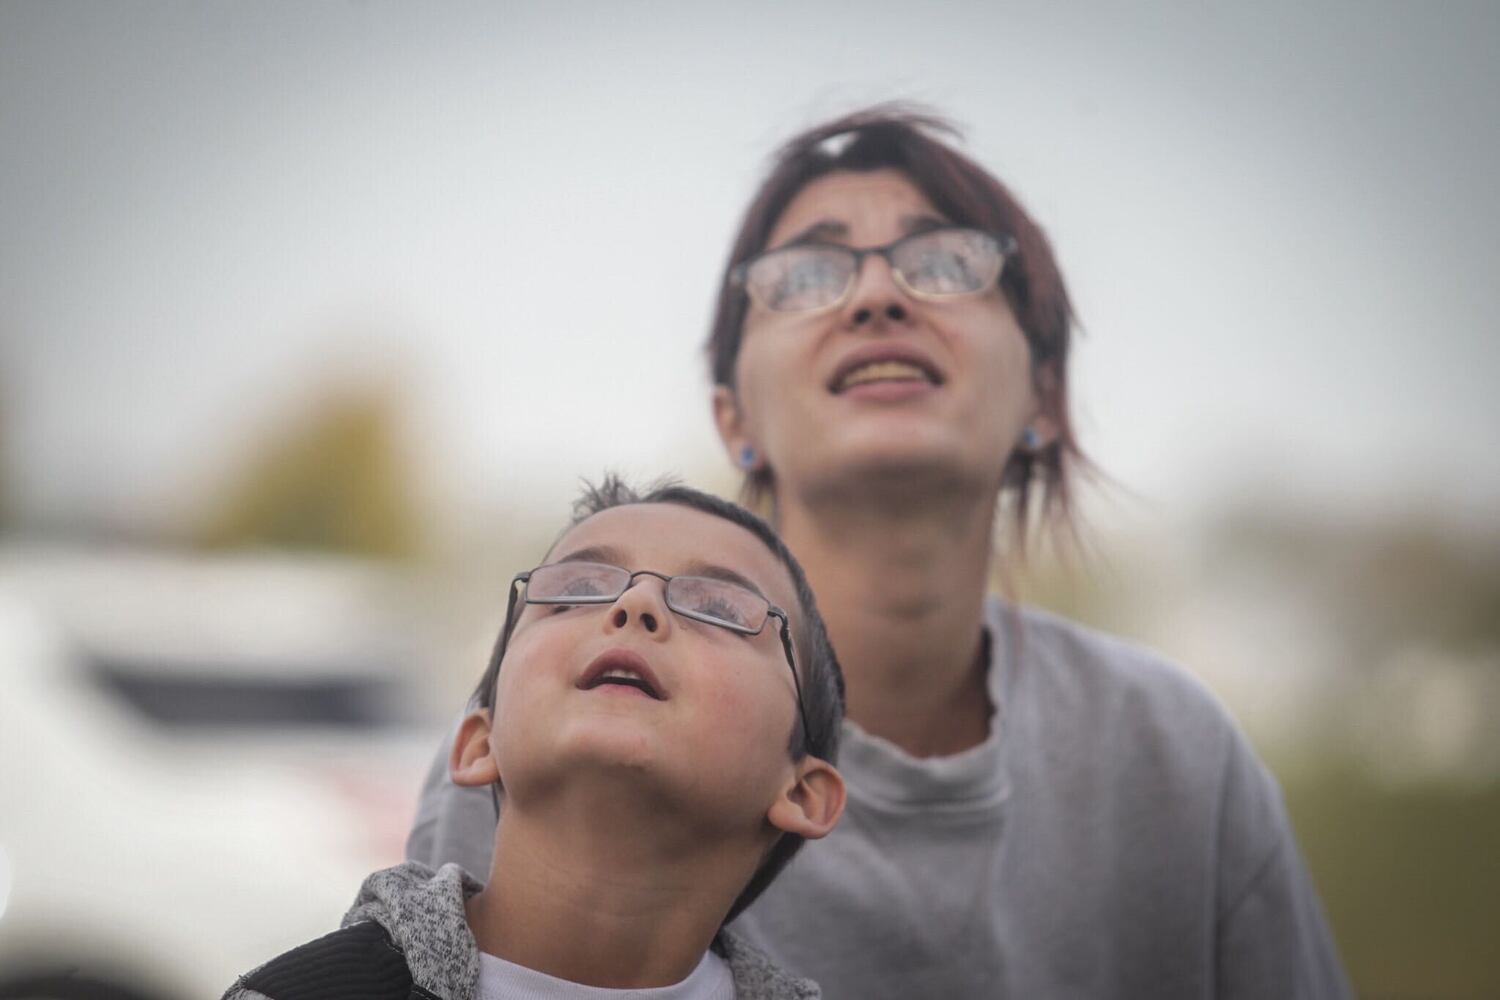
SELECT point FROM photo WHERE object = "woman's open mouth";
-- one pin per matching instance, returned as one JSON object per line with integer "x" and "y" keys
{"x": 884, "y": 365}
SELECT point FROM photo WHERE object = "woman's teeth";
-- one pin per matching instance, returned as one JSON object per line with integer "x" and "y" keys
{"x": 882, "y": 371}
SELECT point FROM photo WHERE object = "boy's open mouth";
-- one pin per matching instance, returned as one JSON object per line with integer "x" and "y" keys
{"x": 622, "y": 667}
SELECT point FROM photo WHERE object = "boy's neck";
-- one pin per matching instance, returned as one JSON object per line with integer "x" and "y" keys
{"x": 601, "y": 899}
{"x": 901, "y": 583}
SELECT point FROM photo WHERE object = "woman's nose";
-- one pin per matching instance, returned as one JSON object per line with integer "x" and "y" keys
{"x": 876, "y": 301}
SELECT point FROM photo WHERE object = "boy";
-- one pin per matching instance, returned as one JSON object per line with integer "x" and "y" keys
{"x": 639, "y": 730}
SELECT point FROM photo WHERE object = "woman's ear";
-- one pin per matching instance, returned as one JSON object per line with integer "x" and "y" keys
{"x": 1042, "y": 429}
{"x": 471, "y": 762}
{"x": 812, "y": 804}
{"x": 1039, "y": 434}
{"x": 730, "y": 420}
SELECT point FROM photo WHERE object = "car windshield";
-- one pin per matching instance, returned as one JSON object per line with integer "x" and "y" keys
{"x": 316, "y": 697}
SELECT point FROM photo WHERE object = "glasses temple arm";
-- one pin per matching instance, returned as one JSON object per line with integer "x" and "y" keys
{"x": 504, "y": 640}
{"x": 493, "y": 672}
{"x": 791, "y": 661}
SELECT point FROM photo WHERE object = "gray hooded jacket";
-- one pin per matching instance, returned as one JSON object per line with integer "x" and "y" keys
{"x": 423, "y": 912}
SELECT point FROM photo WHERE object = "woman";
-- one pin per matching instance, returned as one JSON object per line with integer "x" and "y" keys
{"x": 1034, "y": 809}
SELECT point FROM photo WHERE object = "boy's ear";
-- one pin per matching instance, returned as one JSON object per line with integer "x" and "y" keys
{"x": 470, "y": 762}
{"x": 812, "y": 803}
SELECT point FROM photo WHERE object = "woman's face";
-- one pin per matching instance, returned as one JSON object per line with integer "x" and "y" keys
{"x": 884, "y": 383}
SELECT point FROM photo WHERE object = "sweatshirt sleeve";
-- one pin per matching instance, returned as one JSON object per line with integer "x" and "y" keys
{"x": 453, "y": 823}
{"x": 1270, "y": 936}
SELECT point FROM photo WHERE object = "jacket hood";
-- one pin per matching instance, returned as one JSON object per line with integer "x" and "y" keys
{"x": 423, "y": 911}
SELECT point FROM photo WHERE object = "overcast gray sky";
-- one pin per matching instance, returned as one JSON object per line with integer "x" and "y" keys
{"x": 1279, "y": 223}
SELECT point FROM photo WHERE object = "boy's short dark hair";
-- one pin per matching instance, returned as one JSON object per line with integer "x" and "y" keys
{"x": 821, "y": 677}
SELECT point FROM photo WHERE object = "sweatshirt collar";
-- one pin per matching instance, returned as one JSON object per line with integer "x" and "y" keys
{"x": 883, "y": 776}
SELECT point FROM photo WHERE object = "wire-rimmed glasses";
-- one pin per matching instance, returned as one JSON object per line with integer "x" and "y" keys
{"x": 934, "y": 264}
{"x": 706, "y": 599}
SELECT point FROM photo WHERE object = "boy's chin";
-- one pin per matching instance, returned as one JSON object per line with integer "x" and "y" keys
{"x": 623, "y": 775}
{"x": 583, "y": 756}
{"x": 615, "y": 764}
{"x": 613, "y": 748}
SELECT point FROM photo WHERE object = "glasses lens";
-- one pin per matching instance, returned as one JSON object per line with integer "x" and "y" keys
{"x": 948, "y": 261}
{"x": 800, "y": 278}
{"x": 718, "y": 601}
{"x": 576, "y": 582}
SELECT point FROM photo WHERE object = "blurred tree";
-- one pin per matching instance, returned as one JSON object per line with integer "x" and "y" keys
{"x": 1390, "y": 581}
{"x": 337, "y": 482}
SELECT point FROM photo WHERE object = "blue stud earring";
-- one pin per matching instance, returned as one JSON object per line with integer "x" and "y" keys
{"x": 1030, "y": 439}
{"x": 747, "y": 457}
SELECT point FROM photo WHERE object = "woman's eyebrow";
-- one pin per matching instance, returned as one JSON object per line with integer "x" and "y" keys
{"x": 818, "y": 232}
{"x": 921, "y": 223}
{"x": 829, "y": 230}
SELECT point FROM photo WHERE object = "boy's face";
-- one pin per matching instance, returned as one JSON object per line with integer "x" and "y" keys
{"x": 716, "y": 729}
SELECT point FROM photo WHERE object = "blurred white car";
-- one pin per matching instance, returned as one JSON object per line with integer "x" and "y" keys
{"x": 200, "y": 759}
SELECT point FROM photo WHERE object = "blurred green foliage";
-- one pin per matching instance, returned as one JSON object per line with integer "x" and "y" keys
{"x": 1410, "y": 881}
{"x": 1407, "y": 579}
{"x": 334, "y": 481}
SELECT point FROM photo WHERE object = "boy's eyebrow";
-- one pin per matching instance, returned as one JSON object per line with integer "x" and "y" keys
{"x": 614, "y": 557}
{"x": 595, "y": 553}
{"x": 717, "y": 572}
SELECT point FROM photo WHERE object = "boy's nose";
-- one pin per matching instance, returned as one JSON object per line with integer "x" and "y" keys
{"x": 622, "y": 618}
{"x": 643, "y": 602}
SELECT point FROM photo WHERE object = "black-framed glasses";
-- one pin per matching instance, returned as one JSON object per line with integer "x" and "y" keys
{"x": 934, "y": 264}
{"x": 702, "y": 598}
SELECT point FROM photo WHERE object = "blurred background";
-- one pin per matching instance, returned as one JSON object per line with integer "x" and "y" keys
{"x": 312, "y": 316}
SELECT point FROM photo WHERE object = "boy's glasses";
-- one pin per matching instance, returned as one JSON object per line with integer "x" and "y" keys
{"x": 936, "y": 264}
{"x": 701, "y": 598}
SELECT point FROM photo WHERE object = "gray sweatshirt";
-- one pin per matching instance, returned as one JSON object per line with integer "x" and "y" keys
{"x": 423, "y": 912}
{"x": 1115, "y": 836}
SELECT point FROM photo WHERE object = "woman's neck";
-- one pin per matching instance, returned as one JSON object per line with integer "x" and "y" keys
{"x": 598, "y": 906}
{"x": 901, "y": 586}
